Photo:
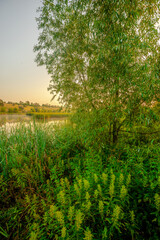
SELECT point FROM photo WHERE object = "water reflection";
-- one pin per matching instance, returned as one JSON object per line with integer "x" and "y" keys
{"x": 10, "y": 122}
{"x": 11, "y": 118}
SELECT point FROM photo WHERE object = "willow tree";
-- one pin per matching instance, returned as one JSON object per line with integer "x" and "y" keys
{"x": 101, "y": 54}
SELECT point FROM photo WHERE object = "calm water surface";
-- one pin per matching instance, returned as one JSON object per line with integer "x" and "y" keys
{"x": 11, "y": 121}
{"x": 11, "y": 118}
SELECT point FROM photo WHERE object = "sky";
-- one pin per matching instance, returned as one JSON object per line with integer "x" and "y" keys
{"x": 20, "y": 78}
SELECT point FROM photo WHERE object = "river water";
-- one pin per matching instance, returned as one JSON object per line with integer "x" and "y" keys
{"x": 10, "y": 121}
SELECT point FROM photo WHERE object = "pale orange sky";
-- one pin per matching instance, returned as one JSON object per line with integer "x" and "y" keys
{"x": 20, "y": 78}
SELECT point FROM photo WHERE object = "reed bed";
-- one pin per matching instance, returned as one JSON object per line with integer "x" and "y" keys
{"x": 45, "y": 115}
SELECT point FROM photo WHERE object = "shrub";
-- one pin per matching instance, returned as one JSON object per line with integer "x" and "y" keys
{"x": 3, "y": 110}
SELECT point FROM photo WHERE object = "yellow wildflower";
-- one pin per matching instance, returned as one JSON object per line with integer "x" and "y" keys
{"x": 95, "y": 178}
{"x": 157, "y": 201}
{"x": 86, "y": 184}
{"x": 96, "y": 194}
{"x": 67, "y": 183}
{"x": 111, "y": 186}
{"x": 116, "y": 213}
{"x": 52, "y": 210}
{"x": 132, "y": 216}
{"x": 128, "y": 181}
{"x": 121, "y": 179}
{"x": 159, "y": 181}
{"x": 104, "y": 178}
{"x": 76, "y": 189}
{"x": 87, "y": 196}
{"x": 63, "y": 232}
{"x": 60, "y": 217}
{"x": 111, "y": 189}
{"x": 88, "y": 206}
{"x": 62, "y": 182}
{"x": 61, "y": 197}
{"x": 71, "y": 213}
{"x": 80, "y": 183}
{"x": 123, "y": 192}
{"x": 99, "y": 189}
{"x": 113, "y": 177}
{"x": 88, "y": 235}
{"x": 27, "y": 199}
{"x": 79, "y": 219}
{"x": 33, "y": 236}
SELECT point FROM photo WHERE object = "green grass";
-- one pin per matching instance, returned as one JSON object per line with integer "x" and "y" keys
{"x": 55, "y": 184}
{"x": 44, "y": 115}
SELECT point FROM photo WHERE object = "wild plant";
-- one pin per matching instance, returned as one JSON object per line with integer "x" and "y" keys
{"x": 52, "y": 186}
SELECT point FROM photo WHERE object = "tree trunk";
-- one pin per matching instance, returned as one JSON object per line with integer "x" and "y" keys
{"x": 115, "y": 132}
{"x": 110, "y": 133}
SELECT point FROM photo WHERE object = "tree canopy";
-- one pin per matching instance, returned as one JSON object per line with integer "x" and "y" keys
{"x": 101, "y": 54}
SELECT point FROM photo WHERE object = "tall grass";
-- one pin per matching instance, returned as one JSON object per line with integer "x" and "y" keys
{"x": 45, "y": 115}
{"x": 54, "y": 184}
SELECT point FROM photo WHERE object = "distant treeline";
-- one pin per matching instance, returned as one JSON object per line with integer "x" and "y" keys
{"x": 27, "y": 103}
{"x": 27, "y": 107}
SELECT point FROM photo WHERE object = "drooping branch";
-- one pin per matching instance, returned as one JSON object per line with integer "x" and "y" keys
{"x": 85, "y": 89}
{"x": 82, "y": 79}
{"x": 140, "y": 132}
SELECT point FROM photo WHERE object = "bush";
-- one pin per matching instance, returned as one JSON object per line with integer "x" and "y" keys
{"x": 3, "y": 110}
{"x": 1, "y": 103}
{"x": 10, "y": 110}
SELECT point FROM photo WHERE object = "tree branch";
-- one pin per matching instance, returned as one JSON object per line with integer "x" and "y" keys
{"x": 140, "y": 132}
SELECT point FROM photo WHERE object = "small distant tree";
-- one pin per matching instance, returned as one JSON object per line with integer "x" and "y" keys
{"x": 27, "y": 103}
{"x": 21, "y": 103}
{"x": 1, "y": 103}
{"x": 21, "y": 108}
{"x": 15, "y": 110}
{"x": 10, "y": 110}
{"x": 32, "y": 110}
{"x": 3, "y": 109}
{"x": 36, "y": 109}
{"x": 36, "y": 104}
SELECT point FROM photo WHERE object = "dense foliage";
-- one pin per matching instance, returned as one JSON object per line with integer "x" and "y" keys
{"x": 101, "y": 55}
{"x": 62, "y": 183}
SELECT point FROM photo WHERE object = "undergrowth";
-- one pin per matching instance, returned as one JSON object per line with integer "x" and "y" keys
{"x": 55, "y": 183}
